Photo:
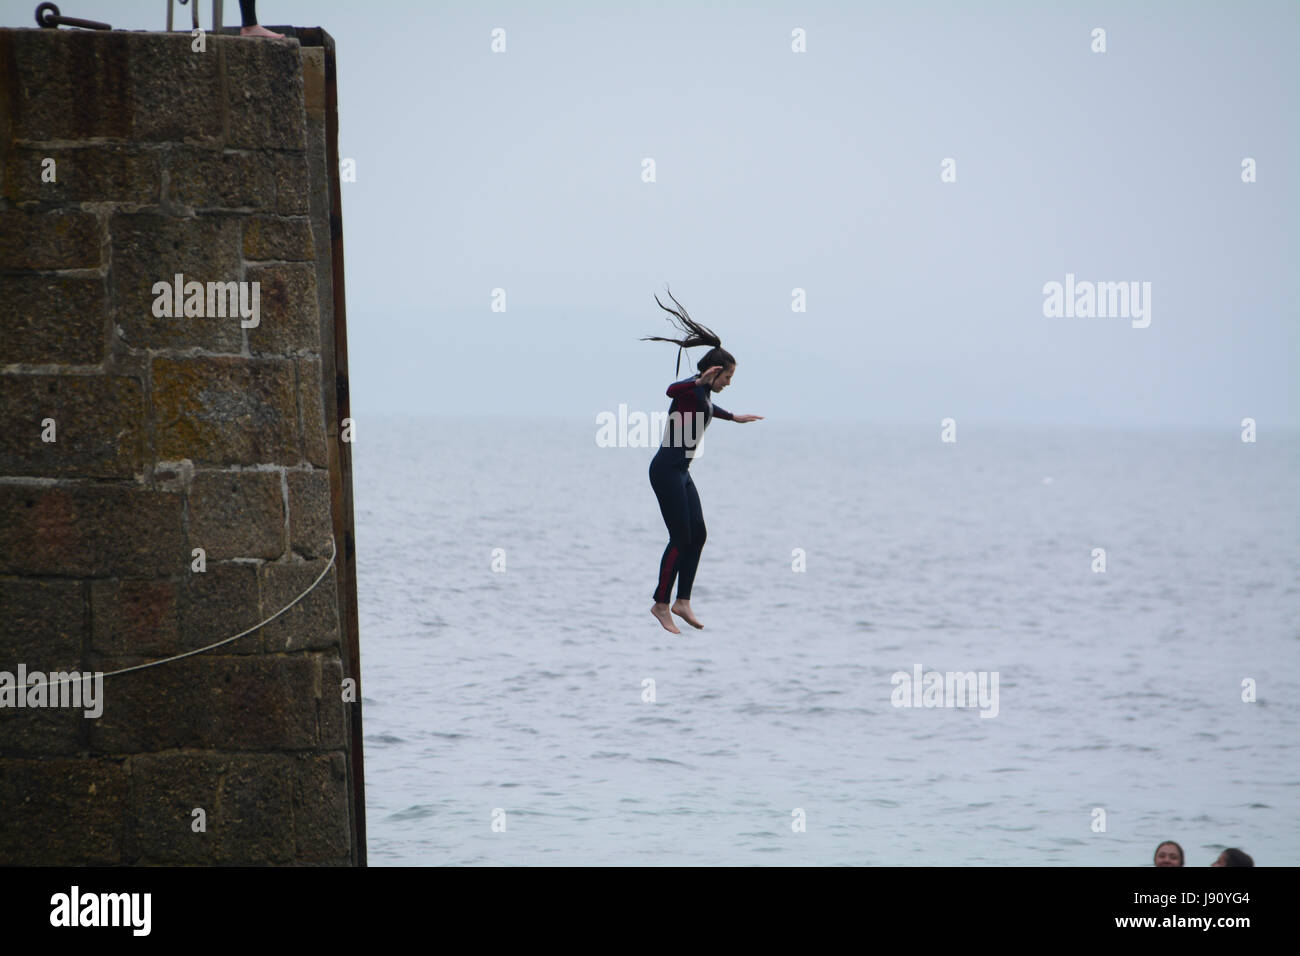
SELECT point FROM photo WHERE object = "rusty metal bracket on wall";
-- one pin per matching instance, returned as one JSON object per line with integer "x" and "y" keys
{"x": 49, "y": 16}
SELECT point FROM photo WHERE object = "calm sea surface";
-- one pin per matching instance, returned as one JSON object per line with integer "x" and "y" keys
{"x": 521, "y": 692}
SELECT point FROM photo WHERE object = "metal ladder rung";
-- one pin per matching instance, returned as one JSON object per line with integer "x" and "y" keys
{"x": 217, "y": 19}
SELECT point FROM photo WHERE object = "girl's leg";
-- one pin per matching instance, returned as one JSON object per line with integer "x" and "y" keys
{"x": 690, "y": 560}
{"x": 696, "y": 535}
{"x": 674, "y": 505}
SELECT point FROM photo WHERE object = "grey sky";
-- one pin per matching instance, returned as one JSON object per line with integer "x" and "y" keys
{"x": 821, "y": 171}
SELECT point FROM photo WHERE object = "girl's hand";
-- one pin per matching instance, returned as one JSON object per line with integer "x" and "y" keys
{"x": 747, "y": 418}
{"x": 706, "y": 378}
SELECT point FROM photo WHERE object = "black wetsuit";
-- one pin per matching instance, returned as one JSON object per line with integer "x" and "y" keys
{"x": 670, "y": 478}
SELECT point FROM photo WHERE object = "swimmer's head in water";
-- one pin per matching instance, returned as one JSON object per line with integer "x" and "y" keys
{"x": 1169, "y": 853}
{"x": 695, "y": 334}
{"x": 1233, "y": 857}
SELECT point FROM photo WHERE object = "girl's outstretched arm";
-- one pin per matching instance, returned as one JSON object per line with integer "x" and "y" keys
{"x": 726, "y": 416}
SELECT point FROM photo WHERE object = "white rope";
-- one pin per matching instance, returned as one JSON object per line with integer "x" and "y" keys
{"x": 200, "y": 650}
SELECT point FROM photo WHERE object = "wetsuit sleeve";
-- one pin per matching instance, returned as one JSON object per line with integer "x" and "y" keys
{"x": 680, "y": 388}
{"x": 720, "y": 412}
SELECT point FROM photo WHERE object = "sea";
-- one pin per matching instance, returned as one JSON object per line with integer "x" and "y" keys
{"x": 1128, "y": 600}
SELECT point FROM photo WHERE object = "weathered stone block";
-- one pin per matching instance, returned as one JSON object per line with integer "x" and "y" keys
{"x": 267, "y": 237}
{"x": 30, "y": 402}
{"x": 292, "y": 184}
{"x": 290, "y": 317}
{"x": 159, "y": 708}
{"x": 72, "y": 85}
{"x": 237, "y": 514}
{"x": 175, "y": 91}
{"x": 207, "y": 179}
{"x": 313, "y": 81}
{"x": 69, "y": 811}
{"x": 101, "y": 425}
{"x": 92, "y": 531}
{"x": 266, "y": 704}
{"x": 49, "y": 239}
{"x": 40, "y": 731}
{"x": 166, "y": 790}
{"x": 311, "y": 521}
{"x": 320, "y": 803}
{"x": 53, "y": 320}
{"x": 331, "y": 721}
{"x": 135, "y": 532}
{"x": 223, "y": 411}
{"x": 148, "y": 249}
{"x": 98, "y": 424}
{"x": 99, "y": 173}
{"x": 255, "y": 811}
{"x": 40, "y": 532}
{"x": 133, "y": 617}
{"x": 212, "y": 702}
{"x": 96, "y": 531}
{"x": 322, "y": 173}
{"x": 247, "y": 800}
{"x": 312, "y": 623}
{"x": 219, "y": 603}
{"x": 42, "y": 624}
{"x": 264, "y": 94}
{"x": 311, "y": 405}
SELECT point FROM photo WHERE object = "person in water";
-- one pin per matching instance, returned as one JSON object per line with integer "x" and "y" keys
{"x": 679, "y": 503}
{"x": 1169, "y": 853}
{"x": 1233, "y": 857}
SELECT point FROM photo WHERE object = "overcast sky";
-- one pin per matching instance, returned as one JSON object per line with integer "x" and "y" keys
{"x": 820, "y": 171}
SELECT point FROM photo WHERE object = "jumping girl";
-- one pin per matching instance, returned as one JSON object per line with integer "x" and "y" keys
{"x": 688, "y": 415}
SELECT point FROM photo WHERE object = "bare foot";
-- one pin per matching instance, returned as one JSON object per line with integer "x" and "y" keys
{"x": 683, "y": 610}
{"x": 662, "y": 615}
{"x": 256, "y": 30}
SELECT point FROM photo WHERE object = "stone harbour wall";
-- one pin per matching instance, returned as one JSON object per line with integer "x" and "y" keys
{"x": 165, "y": 479}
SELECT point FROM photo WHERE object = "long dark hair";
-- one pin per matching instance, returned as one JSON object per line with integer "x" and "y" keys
{"x": 693, "y": 334}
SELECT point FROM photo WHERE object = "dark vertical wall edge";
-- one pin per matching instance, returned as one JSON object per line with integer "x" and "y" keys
{"x": 338, "y": 406}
